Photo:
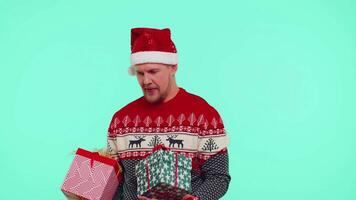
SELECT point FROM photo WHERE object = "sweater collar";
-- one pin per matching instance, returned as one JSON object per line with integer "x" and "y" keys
{"x": 179, "y": 94}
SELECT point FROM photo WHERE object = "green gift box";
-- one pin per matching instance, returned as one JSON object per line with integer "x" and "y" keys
{"x": 164, "y": 174}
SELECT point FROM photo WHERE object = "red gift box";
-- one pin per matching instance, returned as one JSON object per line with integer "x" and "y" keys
{"x": 92, "y": 176}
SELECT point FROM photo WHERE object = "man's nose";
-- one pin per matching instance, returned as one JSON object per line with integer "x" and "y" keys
{"x": 146, "y": 79}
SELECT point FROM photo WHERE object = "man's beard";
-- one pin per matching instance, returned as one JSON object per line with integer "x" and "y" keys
{"x": 156, "y": 100}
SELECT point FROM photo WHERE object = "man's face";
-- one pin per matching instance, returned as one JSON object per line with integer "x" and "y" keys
{"x": 155, "y": 80}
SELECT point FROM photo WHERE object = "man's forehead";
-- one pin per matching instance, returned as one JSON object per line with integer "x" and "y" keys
{"x": 149, "y": 66}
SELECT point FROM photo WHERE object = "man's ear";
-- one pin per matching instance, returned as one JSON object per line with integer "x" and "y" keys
{"x": 174, "y": 68}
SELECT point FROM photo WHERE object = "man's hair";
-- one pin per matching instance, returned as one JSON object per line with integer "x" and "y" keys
{"x": 132, "y": 69}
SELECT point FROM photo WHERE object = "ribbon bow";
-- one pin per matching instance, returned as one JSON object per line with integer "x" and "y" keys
{"x": 160, "y": 147}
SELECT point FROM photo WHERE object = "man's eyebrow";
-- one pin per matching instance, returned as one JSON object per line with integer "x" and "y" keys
{"x": 149, "y": 70}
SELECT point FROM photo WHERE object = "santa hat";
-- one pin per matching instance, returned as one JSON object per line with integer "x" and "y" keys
{"x": 149, "y": 45}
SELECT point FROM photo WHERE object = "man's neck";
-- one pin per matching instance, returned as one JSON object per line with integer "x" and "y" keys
{"x": 174, "y": 91}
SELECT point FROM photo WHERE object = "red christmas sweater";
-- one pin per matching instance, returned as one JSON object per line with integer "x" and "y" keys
{"x": 186, "y": 124}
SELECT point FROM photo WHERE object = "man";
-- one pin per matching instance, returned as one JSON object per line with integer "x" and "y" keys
{"x": 169, "y": 115}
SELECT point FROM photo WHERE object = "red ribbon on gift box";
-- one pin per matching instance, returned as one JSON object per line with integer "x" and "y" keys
{"x": 148, "y": 175}
{"x": 96, "y": 156}
{"x": 176, "y": 172}
{"x": 160, "y": 147}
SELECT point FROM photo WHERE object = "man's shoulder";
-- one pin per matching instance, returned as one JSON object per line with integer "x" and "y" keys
{"x": 205, "y": 110}
{"x": 130, "y": 107}
{"x": 200, "y": 103}
{"x": 195, "y": 98}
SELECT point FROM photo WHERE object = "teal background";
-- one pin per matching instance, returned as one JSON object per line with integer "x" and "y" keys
{"x": 282, "y": 74}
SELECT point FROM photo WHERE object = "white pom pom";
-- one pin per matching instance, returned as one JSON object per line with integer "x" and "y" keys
{"x": 132, "y": 70}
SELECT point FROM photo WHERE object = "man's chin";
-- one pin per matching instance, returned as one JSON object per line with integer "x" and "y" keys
{"x": 153, "y": 100}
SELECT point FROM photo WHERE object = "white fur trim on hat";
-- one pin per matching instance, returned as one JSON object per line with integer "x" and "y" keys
{"x": 154, "y": 57}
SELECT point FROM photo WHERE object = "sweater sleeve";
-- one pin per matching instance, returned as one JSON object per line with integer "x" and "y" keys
{"x": 111, "y": 146}
{"x": 118, "y": 195}
{"x": 111, "y": 149}
{"x": 216, "y": 177}
{"x": 212, "y": 150}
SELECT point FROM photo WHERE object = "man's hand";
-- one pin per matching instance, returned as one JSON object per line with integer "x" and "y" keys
{"x": 189, "y": 197}
{"x": 144, "y": 198}
{"x": 186, "y": 197}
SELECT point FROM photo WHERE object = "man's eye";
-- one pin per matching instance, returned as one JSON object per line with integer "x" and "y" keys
{"x": 153, "y": 72}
